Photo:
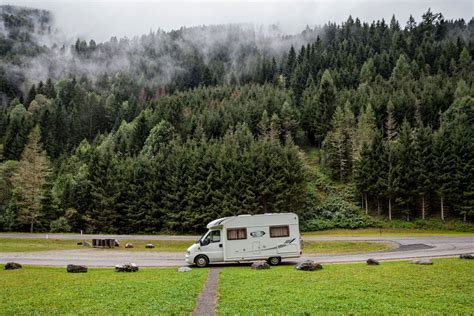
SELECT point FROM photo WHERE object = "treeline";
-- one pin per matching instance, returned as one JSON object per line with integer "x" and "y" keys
{"x": 419, "y": 170}
{"x": 176, "y": 185}
{"x": 390, "y": 110}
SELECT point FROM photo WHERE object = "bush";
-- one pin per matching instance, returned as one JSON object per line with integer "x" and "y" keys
{"x": 335, "y": 212}
{"x": 428, "y": 224}
{"x": 8, "y": 219}
{"x": 60, "y": 225}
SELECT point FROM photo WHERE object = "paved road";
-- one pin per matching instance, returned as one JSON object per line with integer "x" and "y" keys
{"x": 408, "y": 248}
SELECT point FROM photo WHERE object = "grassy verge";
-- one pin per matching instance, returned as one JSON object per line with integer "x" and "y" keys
{"x": 320, "y": 247}
{"x": 343, "y": 247}
{"x": 446, "y": 287}
{"x": 47, "y": 291}
{"x": 27, "y": 245}
{"x": 368, "y": 232}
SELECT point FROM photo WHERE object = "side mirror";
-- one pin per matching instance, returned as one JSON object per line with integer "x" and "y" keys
{"x": 200, "y": 243}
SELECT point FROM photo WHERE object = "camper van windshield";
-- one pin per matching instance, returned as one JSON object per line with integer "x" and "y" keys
{"x": 210, "y": 236}
{"x": 202, "y": 237}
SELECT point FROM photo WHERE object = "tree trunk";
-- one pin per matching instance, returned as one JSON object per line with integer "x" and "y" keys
{"x": 31, "y": 226}
{"x": 464, "y": 217}
{"x": 366, "y": 205}
{"x": 423, "y": 207}
{"x": 390, "y": 208}
{"x": 442, "y": 208}
{"x": 379, "y": 211}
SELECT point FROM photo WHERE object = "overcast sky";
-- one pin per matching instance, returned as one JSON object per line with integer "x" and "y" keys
{"x": 102, "y": 19}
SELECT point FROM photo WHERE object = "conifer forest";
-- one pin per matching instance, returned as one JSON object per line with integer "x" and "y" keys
{"x": 344, "y": 124}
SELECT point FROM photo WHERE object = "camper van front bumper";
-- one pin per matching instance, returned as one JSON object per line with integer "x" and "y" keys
{"x": 188, "y": 258}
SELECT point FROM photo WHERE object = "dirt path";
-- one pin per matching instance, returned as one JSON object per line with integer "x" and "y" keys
{"x": 206, "y": 303}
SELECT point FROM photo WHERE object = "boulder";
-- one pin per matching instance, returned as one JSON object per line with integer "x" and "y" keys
{"x": 150, "y": 246}
{"x": 116, "y": 243}
{"x": 423, "y": 262}
{"x": 466, "y": 256}
{"x": 260, "y": 265}
{"x": 72, "y": 268}
{"x": 308, "y": 265}
{"x": 86, "y": 244}
{"x": 129, "y": 245}
{"x": 129, "y": 267}
{"x": 184, "y": 269}
{"x": 12, "y": 266}
{"x": 372, "y": 262}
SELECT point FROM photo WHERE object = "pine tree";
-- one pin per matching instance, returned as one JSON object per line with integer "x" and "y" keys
{"x": 16, "y": 132}
{"x": 326, "y": 100}
{"x": 423, "y": 167}
{"x": 377, "y": 175}
{"x": 465, "y": 64}
{"x": 391, "y": 123}
{"x": 463, "y": 152}
{"x": 29, "y": 180}
{"x": 444, "y": 166}
{"x": 367, "y": 72}
{"x": 290, "y": 64}
{"x": 31, "y": 95}
{"x": 393, "y": 177}
{"x": 264, "y": 124}
{"x": 365, "y": 131}
{"x": 362, "y": 168}
{"x": 406, "y": 167}
{"x": 310, "y": 111}
{"x": 159, "y": 136}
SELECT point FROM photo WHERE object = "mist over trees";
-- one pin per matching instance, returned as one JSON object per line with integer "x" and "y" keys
{"x": 174, "y": 129}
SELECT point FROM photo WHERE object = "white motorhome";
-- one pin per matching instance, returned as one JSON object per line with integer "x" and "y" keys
{"x": 270, "y": 237}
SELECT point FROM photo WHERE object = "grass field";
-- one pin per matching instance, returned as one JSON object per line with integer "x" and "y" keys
{"x": 325, "y": 247}
{"x": 368, "y": 232}
{"x": 447, "y": 287}
{"x": 52, "y": 291}
{"x": 43, "y": 244}
{"x": 344, "y": 247}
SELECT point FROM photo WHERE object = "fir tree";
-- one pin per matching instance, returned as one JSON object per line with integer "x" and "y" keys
{"x": 29, "y": 180}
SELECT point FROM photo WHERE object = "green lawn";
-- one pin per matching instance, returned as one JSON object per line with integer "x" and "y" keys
{"x": 368, "y": 232}
{"x": 320, "y": 247}
{"x": 43, "y": 244}
{"x": 447, "y": 287}
{"x": 344, "y": 247}
{"x": 47, "y": 291}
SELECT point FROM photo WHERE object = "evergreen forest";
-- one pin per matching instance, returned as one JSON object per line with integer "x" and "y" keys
{"x": 345, "y": 124}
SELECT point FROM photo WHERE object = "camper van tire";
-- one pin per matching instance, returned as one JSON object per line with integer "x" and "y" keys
{"x": 201, "y": 261}
{"x": 274, "y": 261}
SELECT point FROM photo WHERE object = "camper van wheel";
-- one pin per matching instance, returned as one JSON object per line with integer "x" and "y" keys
{"x": 274, "y": 261}
{"x": 201, "y": 261}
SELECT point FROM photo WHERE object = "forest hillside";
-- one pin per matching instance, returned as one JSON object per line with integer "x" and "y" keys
{"x": 344, "y": 124}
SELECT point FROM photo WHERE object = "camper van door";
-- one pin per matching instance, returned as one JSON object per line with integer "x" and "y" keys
{"x": 211, "y": 245}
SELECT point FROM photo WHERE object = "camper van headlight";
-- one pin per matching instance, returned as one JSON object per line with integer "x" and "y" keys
{"x": 188, "y": 252}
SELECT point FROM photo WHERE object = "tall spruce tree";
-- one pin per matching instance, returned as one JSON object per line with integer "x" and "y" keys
{"x": 444, "y": 166}
{"x": 30, "y": 178}
{"x": 423, "y": 165}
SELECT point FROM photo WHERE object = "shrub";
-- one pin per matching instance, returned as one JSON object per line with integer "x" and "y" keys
{"x": 60, "y": 225}
{"x": 335, "y": 212}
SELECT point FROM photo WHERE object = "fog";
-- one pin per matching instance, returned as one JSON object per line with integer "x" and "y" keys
{"x": 102, "y": 19}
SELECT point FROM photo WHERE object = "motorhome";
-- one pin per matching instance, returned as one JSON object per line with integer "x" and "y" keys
{"x": 271, "y": 237}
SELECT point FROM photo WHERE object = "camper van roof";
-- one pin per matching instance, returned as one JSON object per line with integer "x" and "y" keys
{"x": 221, "y": 221}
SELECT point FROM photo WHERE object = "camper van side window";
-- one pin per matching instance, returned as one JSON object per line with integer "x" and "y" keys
{"x": 279, "y": 231}
{"x": 236, "y": 233}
